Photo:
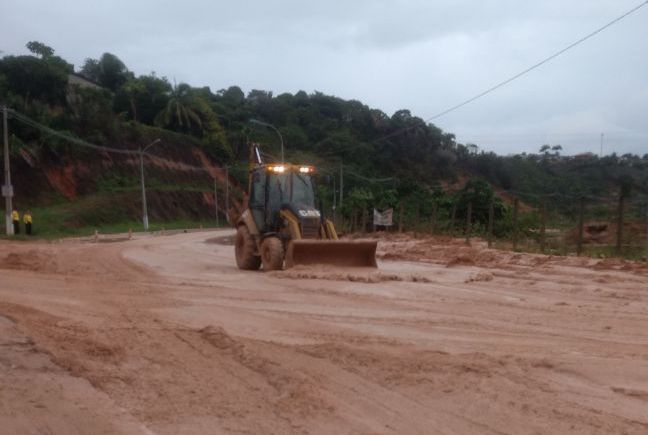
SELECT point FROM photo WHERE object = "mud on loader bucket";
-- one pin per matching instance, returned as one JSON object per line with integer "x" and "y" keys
{"x": 334, "y": 252}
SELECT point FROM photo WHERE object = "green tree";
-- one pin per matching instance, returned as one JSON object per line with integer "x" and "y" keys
{"x": 358, "y": 202}
{"x": 92, "y": 115}
{"x": 32, "y": 78}
{"x": 480, "y": 194}
{"x": 143, "y": 97}
{"x": 133, "y": 90}
{"x": 40, "y": 49}
{"x": 109, "y": 71}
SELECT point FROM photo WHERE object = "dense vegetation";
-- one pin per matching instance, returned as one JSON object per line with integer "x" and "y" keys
{"x": 387, "y": 159}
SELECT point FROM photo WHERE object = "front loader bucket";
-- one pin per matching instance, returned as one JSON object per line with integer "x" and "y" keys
{"x": 335, "y": 252}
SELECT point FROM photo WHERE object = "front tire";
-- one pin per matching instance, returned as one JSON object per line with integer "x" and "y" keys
{"x": 272, "y": 253}
{"x": 244, "y": 250}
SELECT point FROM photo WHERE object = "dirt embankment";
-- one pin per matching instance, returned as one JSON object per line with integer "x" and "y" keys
{"x": 179, "y": 175}
{"x": 455, "y": 252}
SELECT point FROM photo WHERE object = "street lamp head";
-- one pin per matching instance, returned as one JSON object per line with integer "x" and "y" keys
{"x": 158, "y": 140}
{"x": 256, "y": 121}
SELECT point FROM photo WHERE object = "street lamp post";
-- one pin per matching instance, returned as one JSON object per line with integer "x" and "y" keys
{"x": 265, "y": 124}
{"x": 7, "y": 189}
{"x": 144, "y": 208}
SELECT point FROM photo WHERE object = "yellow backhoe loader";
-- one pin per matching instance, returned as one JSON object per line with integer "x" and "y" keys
{"x": 282, "y": 225}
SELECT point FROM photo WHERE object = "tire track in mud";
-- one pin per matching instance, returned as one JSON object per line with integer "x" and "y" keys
{"x": 258, "y": 353}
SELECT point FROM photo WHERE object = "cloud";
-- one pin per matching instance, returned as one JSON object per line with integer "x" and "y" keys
{"x": 391, "y": 54}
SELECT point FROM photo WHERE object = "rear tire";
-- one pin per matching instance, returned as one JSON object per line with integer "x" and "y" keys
{"x": 272, "y": 253}
{"x": 244, "y": 249}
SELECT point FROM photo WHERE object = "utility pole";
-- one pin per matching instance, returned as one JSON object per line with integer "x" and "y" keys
{"x": 216, "y": 202}
{"x": 144, "y": 207}
{"x": 601, "y": 153}
{"x": 7, "y": 189}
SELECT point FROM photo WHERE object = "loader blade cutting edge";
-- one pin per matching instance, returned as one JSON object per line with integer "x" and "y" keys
{"x": 332, "y": 252}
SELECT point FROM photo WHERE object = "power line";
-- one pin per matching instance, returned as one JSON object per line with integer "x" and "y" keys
{"x": 370, "y": 180}
{"x": 28, "y": 121}
{"x": 550, "y": 134}
{"x": 537, "y": 65}
{"x": 520, "y": 74}
{"x": 83, "y": 143}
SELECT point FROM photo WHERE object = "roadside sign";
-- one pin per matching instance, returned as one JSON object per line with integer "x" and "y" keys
{"x": 7, "y": 190}
{"x": 383, "y": 218}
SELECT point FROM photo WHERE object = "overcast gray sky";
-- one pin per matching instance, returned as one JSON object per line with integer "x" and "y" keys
{"x": 401, "y": 54}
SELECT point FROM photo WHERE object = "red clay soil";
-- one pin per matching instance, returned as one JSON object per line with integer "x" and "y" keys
{"x": 164, "y": 335}
{"x": 63, "y": 179}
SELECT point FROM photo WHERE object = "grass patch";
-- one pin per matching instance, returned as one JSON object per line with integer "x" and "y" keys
{"x": 51, "y": 232}
{"x": 108, "y": 214}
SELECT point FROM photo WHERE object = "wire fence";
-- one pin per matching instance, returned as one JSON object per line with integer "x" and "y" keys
{"x": 614, "y": 226}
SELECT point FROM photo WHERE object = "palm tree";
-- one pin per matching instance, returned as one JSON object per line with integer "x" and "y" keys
{"x": 183, "y": 111}
{"x": 189, "y": 112}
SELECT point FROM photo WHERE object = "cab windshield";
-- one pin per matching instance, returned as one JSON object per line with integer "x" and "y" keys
{"x": 302, "y": 190}
{"x": 290, "y": 187}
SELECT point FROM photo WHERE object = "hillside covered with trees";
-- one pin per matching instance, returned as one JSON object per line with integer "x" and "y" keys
{"x": 386, "y": 159}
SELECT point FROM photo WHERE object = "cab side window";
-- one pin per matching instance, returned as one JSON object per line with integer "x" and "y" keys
{"x": 258, "y": 190}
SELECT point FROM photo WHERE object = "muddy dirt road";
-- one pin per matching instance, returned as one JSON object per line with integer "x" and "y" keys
{"x": 163, "y": 335}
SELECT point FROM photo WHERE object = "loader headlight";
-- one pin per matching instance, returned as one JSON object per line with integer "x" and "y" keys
{"x": 279, "y": 168}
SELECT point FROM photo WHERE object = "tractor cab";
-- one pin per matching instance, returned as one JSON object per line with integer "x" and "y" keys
{"x": 277, "y": 187}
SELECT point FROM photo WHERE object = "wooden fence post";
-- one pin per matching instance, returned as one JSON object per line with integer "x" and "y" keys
{"x": 354, "y": 221}
{"x": 581, "y": 212}
{"x": 491, "y": 216}
{"x": 543, "y": 225}
{"x": 516, "y": 205}
{"x": 400, "y": 217}
{"x": 216, "y": 203}
{"x": 453, "y": 214}
{"x": 468, "y": 223}
{"x": 620, "y": 222}
{"x": 646, "y": 231}
{"x": 434, "y": 217}
{"x": 364, "y": 220}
